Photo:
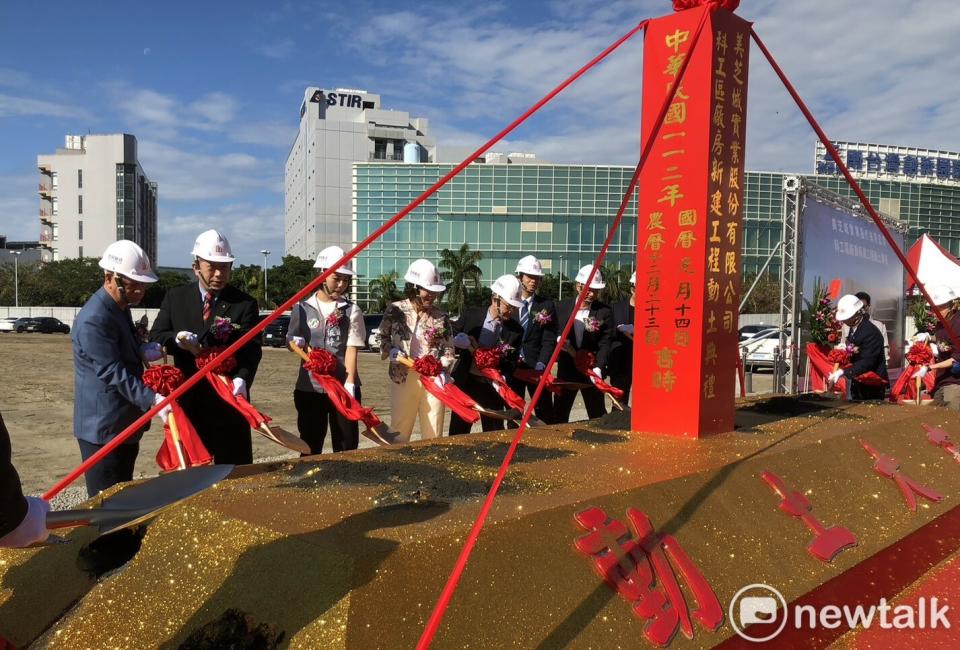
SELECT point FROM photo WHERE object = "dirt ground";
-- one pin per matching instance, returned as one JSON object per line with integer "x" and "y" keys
{"x": 36, "y": 401}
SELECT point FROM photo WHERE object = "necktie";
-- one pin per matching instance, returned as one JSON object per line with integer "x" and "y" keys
{"x": 525, "y": 315}
{"x": 207, "y": 306}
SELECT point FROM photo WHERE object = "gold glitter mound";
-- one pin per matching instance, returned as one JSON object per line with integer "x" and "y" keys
{"x": 352, "y": 550}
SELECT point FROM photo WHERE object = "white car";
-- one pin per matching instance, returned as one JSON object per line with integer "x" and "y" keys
{"x": 761, "y": 348}
{"x": 7, "y": 324}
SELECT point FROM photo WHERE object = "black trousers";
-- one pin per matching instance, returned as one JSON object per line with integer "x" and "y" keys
{"x": 315, "y": 412}
{"x": 485, "y": 396}
{"x": 115, "y": 467}
{"x": 544, "y": 407}
{"x": 860, "y": 391}
{"x": 623, "y": 381}
{"x": 222, "y": 429}
{"x": 592, "y": 399}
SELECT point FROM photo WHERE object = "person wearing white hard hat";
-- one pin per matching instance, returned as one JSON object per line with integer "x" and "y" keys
{"x": 621, "y": 350}
{"x": 108, "y": 357}
{"x": 330, "y": 321}
{"x": 537, "y": 316}
{"x": 487, "y": 328}
{"x": 416, "y": 327}
{"x": 946, "y": 390}
{"x": 592, "y": 331}
{"x": 867, "y": 344}
{"x": 845, "y": 330}
{"x": 185, "y": 325}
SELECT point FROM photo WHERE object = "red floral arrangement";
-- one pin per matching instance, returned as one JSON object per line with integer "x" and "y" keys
{"x": 839, "y": 356}
{"x": 920, "y": 354}
{"x": 208, "y": 354}
{"x": 162, "y": 379}
{"x": 321, "y": 362}
{"x": 488, "y": 357}
{"x": 729, "y": 5}
{"x": 428, "y": 366}
{"x": 334, "y": 318}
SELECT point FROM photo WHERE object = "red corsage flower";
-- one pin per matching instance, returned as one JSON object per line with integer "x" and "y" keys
{"x": 321, "y": 362}
{"x": 162, "y": 379}
{"x": 208, "y": 354}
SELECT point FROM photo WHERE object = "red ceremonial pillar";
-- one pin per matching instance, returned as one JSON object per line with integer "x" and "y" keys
{"x": 689, "y": 226}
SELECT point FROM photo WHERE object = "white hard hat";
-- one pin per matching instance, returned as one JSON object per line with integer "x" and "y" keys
{"x": 633, "y": 278}
{"x": 424, "y": 274}
{"x": 942, "y": 295}
{"x": 508, "y": 288}
{"x": 529, "y": 265}
{"x": 213, "y": 247}
{"x": 127, "y": 259}
{"x": 848, "y": 306}
{"x": 330, "y": 256}
{"x": 584, "y": 273}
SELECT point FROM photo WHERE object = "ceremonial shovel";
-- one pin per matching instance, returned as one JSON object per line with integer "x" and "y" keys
{"x": 137, "y": 503}
{"x": 827, "y": 542}
{"x": 274, "y": 433}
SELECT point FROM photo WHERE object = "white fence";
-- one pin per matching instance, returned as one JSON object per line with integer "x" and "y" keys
{"x": 66, "y": 314}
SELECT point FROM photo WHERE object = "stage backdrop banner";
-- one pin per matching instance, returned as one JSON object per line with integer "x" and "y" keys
{"x": 689, "y": 226}
{"x": 839, "y": 245}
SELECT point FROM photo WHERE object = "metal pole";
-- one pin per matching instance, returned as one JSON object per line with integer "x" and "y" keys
{"x": 265, "y": 253}
{"x": 560, "y": 275}
{"x": 763, "y": 268}
{"x": 16, "y": 277}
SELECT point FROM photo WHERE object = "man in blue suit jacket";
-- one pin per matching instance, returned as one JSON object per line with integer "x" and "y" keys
{"x": 109, "y": 393}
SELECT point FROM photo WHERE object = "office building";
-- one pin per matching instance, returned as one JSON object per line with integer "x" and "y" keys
{"x": 94, "y": 192}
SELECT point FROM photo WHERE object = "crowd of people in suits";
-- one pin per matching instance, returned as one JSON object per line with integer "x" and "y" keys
{"x": 110, "y": 356}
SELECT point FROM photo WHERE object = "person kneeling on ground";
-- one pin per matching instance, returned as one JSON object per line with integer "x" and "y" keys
{"x": 946, "y": 390}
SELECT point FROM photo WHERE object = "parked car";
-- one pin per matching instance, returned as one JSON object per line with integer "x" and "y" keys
{"x": 761, "y": 348}
{"x": 748, "y": 331}
{"x": 42, "y": 324}
{"x": 371, "y": 323}
{"x": 8, "y": 325}
{"x": 275, "y": 334}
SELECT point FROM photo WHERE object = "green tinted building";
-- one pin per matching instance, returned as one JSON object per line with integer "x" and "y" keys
{"x": 561, "y": 214}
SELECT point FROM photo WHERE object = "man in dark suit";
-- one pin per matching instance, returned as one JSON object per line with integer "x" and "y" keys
{"x": 869, "y": 355}
{"x": 592, "y": 331}
{"x": 184, "y": 324}
{"x": 487, "y": 328}
{"x": 538, "y": 320}
{"x": 109, "y": 393}
{"x": 621, "y": 350}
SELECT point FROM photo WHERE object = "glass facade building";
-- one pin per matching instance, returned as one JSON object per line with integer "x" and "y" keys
{"x": 561, "y": 214}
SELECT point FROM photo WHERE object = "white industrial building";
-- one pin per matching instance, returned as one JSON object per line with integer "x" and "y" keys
{"x": 93, "y": 192}
{"x": 338, "y": 128}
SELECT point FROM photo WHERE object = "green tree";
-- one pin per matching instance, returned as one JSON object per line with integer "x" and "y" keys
{"x": 249, "y": 278}
{"x": 166, "y": 280}
{"x": 64, "y": 283}
{"x": 765, "y": 298}
{"x": 461, "y": 268}
{"x": 288, "y": 278}
{"x": 383, "y": 291}
{"x": 617, "y": 279}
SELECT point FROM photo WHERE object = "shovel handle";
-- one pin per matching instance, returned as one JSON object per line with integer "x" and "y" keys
{"x": 175, "y": 434}
{"x": 296, "y": 349}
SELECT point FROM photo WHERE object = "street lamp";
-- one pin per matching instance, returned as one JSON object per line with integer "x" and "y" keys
{"x": 265, "y": 253}
{"x": 560, "y": 297}
{"x": 16, "y": 277}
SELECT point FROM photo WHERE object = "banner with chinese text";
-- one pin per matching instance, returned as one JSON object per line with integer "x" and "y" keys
{"x": 689, "y": 226}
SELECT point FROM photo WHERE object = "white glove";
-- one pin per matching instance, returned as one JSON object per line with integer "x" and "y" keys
{"x": 461, "y": 341}
{"x": 442, "y": 379}
{"x": 32, "y": 529}
{"x": 350, "y": 388}
{"x": 186, "y": 339}
{"x": 298, "y": 341}
{"x": 922, "y": 337}
{"x": 240, "y": 388}
{"x": 935, "y": 350}
{"x": 540, "y": 367}
{"x": 834, "y": 376}
{"x": 151, "y": 352}
{"x": 625, "y": 328}
{"x": 165, "y": 411}
{"x": 394, "y": 353}
{"x": 921, "y": 371}
{"x": 597, "y": 372}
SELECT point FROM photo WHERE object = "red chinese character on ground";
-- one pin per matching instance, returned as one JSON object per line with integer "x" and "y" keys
{"x": 639, "y": 568}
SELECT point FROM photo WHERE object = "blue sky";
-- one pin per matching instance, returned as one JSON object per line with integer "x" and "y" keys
{"x": 212, "y": 90}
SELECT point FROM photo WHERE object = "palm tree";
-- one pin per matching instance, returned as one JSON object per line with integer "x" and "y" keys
{"x": 383, "y": 291}
{"x": 461, "y": 266}
{"x": 617, "y": 279}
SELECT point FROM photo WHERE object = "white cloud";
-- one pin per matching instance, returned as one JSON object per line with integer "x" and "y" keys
{"x": 250, "y": 229}
{"x": 14, "y": 106}
{"x": 19, "y": 207}
{"x": 278, "y": 49}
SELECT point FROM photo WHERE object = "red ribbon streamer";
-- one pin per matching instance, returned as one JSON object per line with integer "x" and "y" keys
{"x": 905, "y": 389}
{"x": 320, "y": 365}
{"x": 454, "y": 398}
{"x": 225, "y": 390}
{"x": 820, "y": 367}
{"x": 531, "y": 376}
{"x": 585, "y": 362}
{"x": 194, "y": 453}
{"x": 510, "y": 398}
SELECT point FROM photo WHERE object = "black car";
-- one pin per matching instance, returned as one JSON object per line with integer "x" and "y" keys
{"x": 371, "y": 323}
{"x": 275, "y": 334}
{"x": 43, "y": 324}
